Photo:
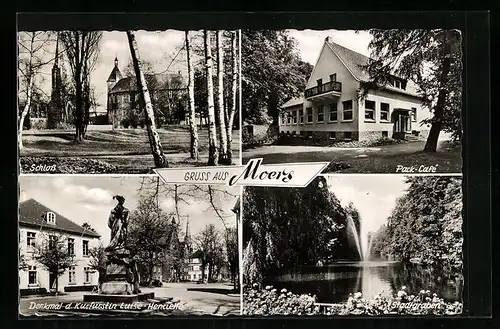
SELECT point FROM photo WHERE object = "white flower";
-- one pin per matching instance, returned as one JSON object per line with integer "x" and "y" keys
{"x": 401, "y": 293}
{"x": 283, "y": 290}
{"x": 403, "y": 287}
{"x": 358, "y": 295}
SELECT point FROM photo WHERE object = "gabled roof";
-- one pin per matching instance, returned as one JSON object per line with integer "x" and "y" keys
{"x": 130, "y": 83}
{"x": 31, "y": 214}
{"x": 196, "y": 254}
{"x": 294, "y": 102}
{"x": 354, "y": 63}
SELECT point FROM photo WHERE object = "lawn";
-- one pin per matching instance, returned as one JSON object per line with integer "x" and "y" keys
{"x": 380, "y": 159}
{"x": 127, "y": 149}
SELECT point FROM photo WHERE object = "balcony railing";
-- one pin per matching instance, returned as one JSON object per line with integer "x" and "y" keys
{"x": 324, "y": 88}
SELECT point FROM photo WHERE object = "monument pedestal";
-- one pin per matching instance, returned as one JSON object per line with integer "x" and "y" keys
{"x": 142, "y": 296}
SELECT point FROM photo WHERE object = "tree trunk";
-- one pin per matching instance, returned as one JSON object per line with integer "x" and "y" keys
{"x": 25, "y": 111}
{"x": 192, "y": 113}
{"x": 220, "y": 100}
{"x": 229, "y": 126}
{"x": 212, "y": 135}
{"x": 154, "y": 139}
{"x": 437, "y": 121}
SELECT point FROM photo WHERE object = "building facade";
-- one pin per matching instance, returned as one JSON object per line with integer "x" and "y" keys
{"x": 330, "y": 107}
{"x": 123, "y": 106}
{"x": 37, "y": 224}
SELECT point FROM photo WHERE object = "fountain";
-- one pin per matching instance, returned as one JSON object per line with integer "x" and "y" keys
{"x": 354, "y": 232}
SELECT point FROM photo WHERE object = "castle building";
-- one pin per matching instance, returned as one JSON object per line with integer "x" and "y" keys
{"x": 123, "y": 107}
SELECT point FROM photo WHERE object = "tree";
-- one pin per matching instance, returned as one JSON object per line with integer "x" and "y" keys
{"x": 82, "y": 50}
{"x": 232, "y": 251}
{"x": 272, "y": 73}
{"x": 149, "y": 232}
{"x": 210, "y": 245}
{"x": 154, "y": 139}
{"x": 32, "y": 48}
{"x": 230, "y": 115}
{"x": 431, "y": 59}
{"x": 212, "y": 135}
{"x": 192, "y": 114}
{"x": 52, "y": 253}
{"x": 98, "y": 261}
{"x": 220, "y": 109}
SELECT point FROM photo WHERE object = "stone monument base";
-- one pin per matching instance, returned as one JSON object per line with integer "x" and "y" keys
{"x": 119, "y": 298}
{"x": 117, "y": 288}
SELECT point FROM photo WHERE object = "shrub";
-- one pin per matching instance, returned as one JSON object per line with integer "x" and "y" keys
{"x": 269, "y": 301}
{"x": 156, "y": 283}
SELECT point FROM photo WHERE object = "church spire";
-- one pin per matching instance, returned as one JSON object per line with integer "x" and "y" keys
{"x": 56, "y": 59}
{"x": 187, "y": 238}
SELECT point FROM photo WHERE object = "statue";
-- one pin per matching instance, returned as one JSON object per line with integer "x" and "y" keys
{"x": 118, "y": 222}
{"x": 121, "y": 271}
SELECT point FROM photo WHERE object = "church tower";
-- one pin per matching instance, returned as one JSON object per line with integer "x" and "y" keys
{"x": 188, "y": 243}
{"x": 114, "y": 77}
{"x": 55, "y": 110}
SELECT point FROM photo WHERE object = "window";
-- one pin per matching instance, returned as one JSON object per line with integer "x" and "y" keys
{"x": 87, "y": 274}
{"x": 321, "y": 114}
{"x": 369, "y": 110}
{"x": 71, "y": 274}
{"x": 52, "y": 241}
{"x": 71, "y": 246}
{"x": 32, "y": 277}
{"x": 332, "y": 135}
{"x": 385, "y": 134}
{"x": 397, "y": 84}
{"x": 51, "y": 218}
{"x": 333, "y": 112}
{"x": 288, "y": 118}
{"x": 333, "y": 77}
{"x": 294, "y": 116}
{"x": 347, "y": 110}
{"x": 309, "y": 114}
{"x": 85, "y": 248}
{"x": 384, "y": 112}
{"x": 413, "y": 114}
{"x": 30, "y": 239}
{"x": 301, "y": 116}
{"x": 319, "y": 82}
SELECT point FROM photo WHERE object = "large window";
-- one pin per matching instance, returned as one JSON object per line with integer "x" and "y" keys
{"x": 52, "y": 241}
{"x": 301, "y": 116}
{"x": 71, "y": 246}
{"x": 347, "y": 110}
{"x": 321, "y": 114}
{"x": 369, "y": 110}
{"x": 384, "y": 112}
{"x": 333, "y": 112}
{"x": 288, "y": 118}
{"x": 71, "y": 275}
{"x": 309, "y": 111}
{"x": 85, "y": 248}
{"x": 32, "y": 277}
{"x": 413, "y": 114}
{"x": 30, "y": 239}
{"x": 294, "y": 116}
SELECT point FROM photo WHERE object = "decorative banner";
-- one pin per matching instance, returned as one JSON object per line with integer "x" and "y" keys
{"x": 254, "y": 173}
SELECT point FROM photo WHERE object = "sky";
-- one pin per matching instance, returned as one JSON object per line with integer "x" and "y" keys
{"x": 311, "y": 41}
{"x": 373, "y": 195}
{"x": 90, "y": 199}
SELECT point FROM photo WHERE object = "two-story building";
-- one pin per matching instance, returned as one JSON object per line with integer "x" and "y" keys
{"x": 330, "y": 106}
{"x": 37, "y": 224}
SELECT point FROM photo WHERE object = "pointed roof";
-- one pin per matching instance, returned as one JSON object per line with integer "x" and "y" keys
{"x": 31, "y": 214}
{"x": 294, "y": 101}
{"x": 354, "y": 63}
{"x": 115, "y": 73}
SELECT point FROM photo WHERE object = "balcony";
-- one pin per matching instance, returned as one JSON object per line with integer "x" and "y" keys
{"x": 328, "y": 90}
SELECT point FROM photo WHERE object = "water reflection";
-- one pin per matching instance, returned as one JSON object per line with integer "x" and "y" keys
{"x": 334, "y": 283}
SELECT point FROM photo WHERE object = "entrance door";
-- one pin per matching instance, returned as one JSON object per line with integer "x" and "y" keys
{"x": 401, "y": 123}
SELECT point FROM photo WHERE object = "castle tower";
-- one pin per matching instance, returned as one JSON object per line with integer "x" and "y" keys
{"x": 55, "y": 110}
{"x": 113, "y": 78}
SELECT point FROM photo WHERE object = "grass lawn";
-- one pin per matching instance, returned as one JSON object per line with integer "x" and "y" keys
{"x": 128, "y": 149}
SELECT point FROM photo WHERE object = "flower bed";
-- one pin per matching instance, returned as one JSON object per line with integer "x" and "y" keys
{"x": 269, "y": 301}
{"x": 57, "y": 165}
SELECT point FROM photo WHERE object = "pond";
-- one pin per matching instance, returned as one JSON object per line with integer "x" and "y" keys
{"x": 334, "y": 283}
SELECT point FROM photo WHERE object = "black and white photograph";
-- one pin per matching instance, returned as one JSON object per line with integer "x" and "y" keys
{"x": 354, "y": 245}
{"x": 367, "y": 101}
{"x": 100, "y": 102}
{"x": 127, "y": 246}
